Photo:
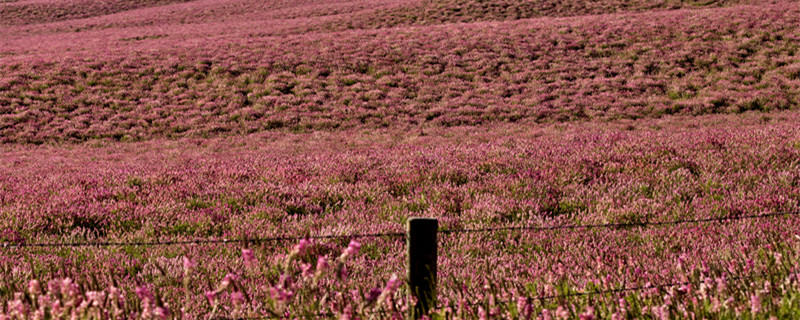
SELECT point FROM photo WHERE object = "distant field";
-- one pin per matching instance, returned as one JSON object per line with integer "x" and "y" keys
{"x": 432, "y": 12}
{"x": 136, "y": 86}
{"x": 225, "y": 119}
{"x": 22, "y": 12}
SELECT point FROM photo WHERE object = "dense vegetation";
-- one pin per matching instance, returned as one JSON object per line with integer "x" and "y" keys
{"x": 231, "y": 119}
{"x": 588, "y": 68}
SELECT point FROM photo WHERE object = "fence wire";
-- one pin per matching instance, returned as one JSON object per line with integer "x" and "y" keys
{"x": 198, "y": 241}
{"x": 8, "y": 245}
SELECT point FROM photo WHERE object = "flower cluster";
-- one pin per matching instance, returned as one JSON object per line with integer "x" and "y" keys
{"x": 707, "y": 292}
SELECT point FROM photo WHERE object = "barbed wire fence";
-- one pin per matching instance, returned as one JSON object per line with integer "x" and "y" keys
{"x": 406, "y": 236}
{"x": 258, "y": 240}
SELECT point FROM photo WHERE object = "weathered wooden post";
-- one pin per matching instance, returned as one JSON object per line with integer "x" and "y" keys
{"x": 422, "y": 245}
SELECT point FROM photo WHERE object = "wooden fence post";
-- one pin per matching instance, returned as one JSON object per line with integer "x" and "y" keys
{"x": 422, "y": 245}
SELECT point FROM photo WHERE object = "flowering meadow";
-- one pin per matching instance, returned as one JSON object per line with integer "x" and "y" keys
{"x": 183, "y": 127}
{"x": 124, "y": 79}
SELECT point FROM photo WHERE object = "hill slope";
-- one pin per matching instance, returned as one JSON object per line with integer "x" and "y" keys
{"x": 183, "y": 82}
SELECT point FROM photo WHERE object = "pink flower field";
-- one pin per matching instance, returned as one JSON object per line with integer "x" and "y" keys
{"x": 584, "y": 159}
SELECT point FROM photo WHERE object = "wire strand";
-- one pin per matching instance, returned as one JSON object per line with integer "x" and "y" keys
{"x": 197, "y": 241}
{"x": 7, "y": 245}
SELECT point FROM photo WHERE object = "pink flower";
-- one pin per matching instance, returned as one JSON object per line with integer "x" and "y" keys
{"x": 728, "y": 302}
{"x": 351, "y": 250}
{"x": 280, "y": 295}
{"x": 755, "y": 303}
{"x": 97, "y": 298}
{"x": 83, "y": 306}
{"x": 300, "y": 247}
{"x": 721, "y": 285}
{"x": 389, "y": 289}
{"x": 44, "y": 301}
{"x": 56, "y": 307}
{"x": 521, "y": 303}
{"x": 392, "y": 284}
{"x": 68, "y": 288}
{"x": 144, "y": 294}
{"x": 546, "y": 315}
{"x": 482, "y": 313}
{"x": 211, "y": 296}
{"x": 353, "y": 247}
{"x": 249, "y": 258}
{"x": 161, "y": 313}
{"x": 322, "y": 263}
{"x": 34, "y": 287}
{"x": 524, "y": 308}
{"x": 588, "y": 314}
{"x": 661, "y": 313}
{"x": 562, "y": 313}
{"x": 188, "y": 266}
{"x": 306, "y": 270}
{"x": 228, "y": 280}
{"x": 54, "y": 286}
{"x": 347, "y": 313}
{"x": 684, "y": 289}
{"x": 113, "y": 293}
{"x": 18, "y": 307}
{"x": 237, "y": 298}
